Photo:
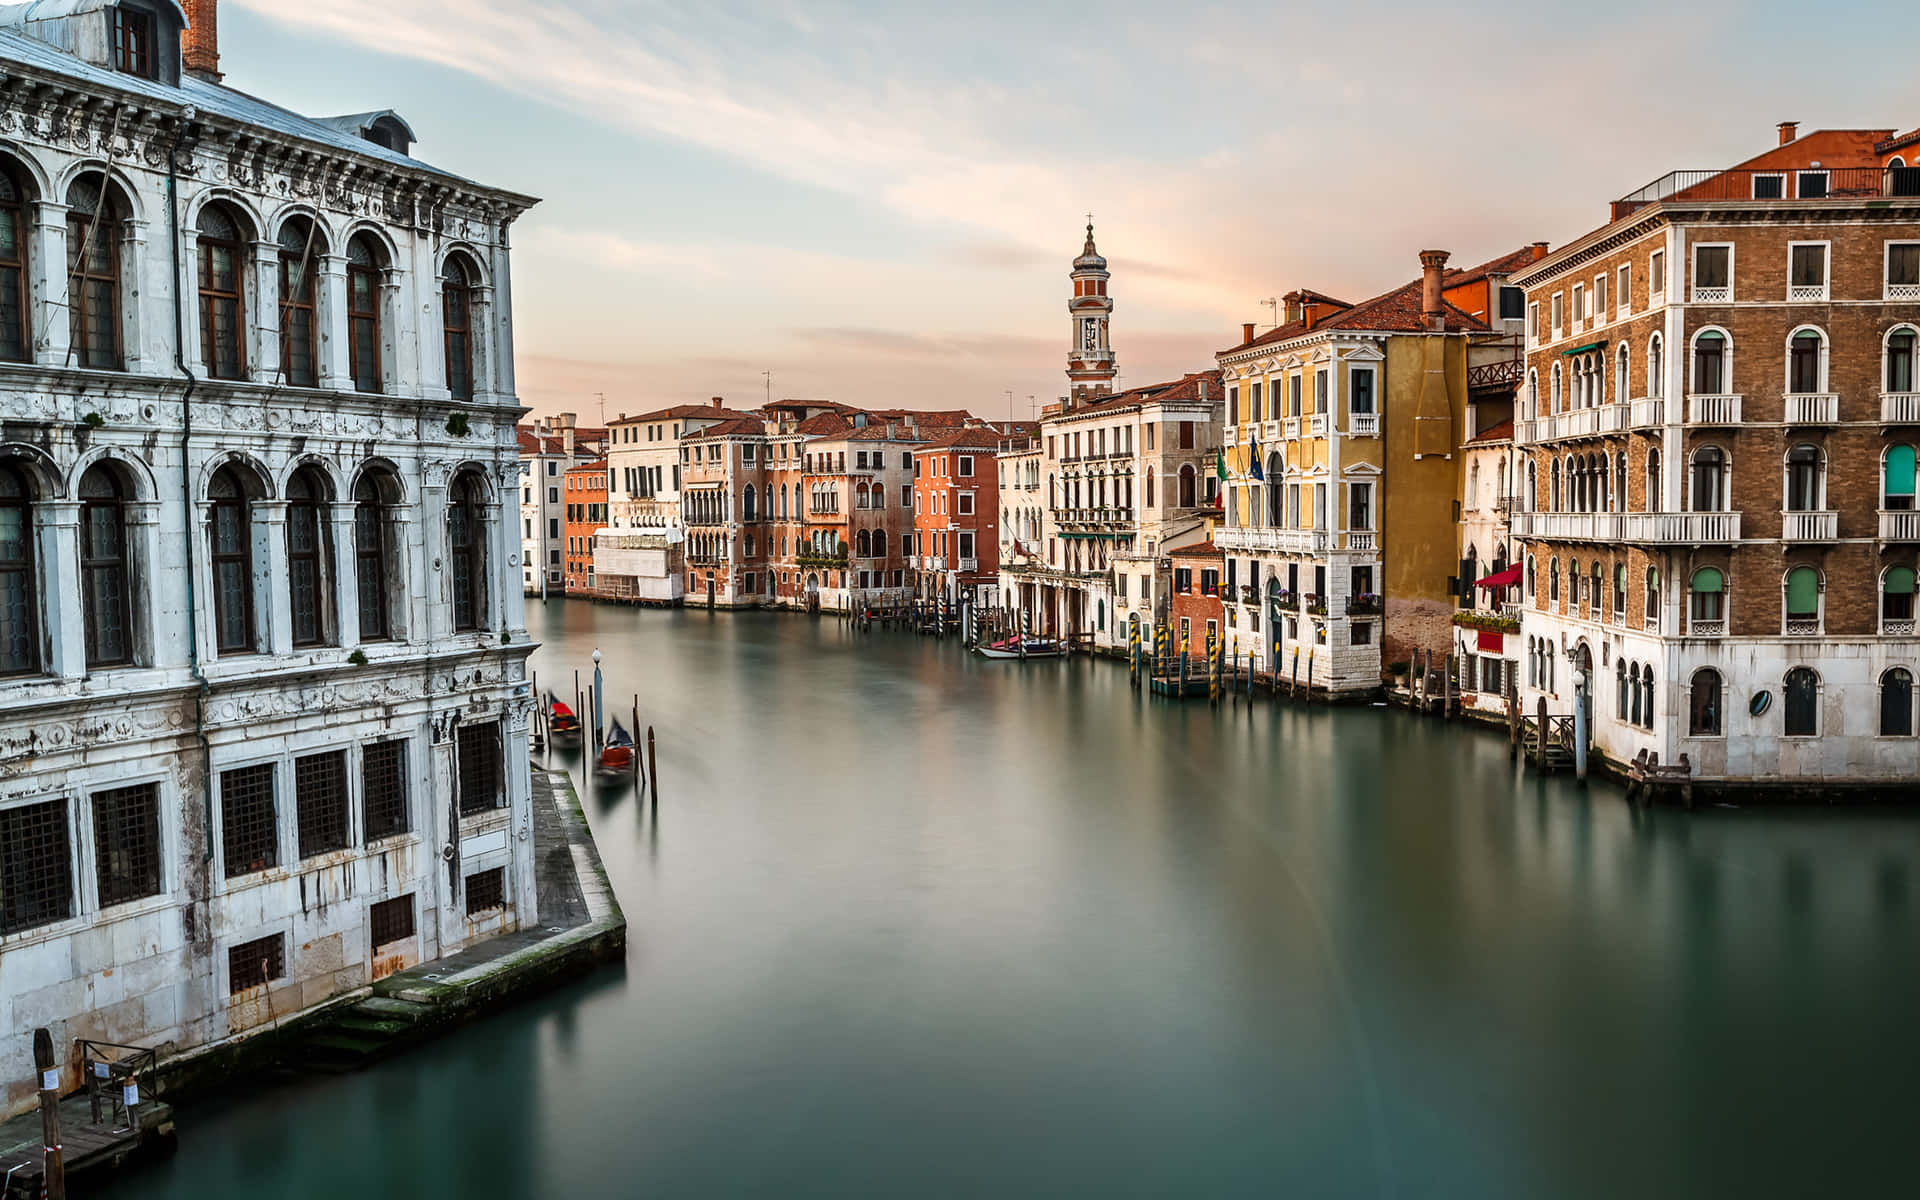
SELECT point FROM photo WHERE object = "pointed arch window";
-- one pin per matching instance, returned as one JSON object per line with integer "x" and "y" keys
{"x": 1620, "y": 375}
{"x": 1896, "y": 703}
{"x": 222, "y": 311}
{"x": 456, "y": 316}
{"x": 1802, "y": 703}
{"x": 95, "y": 219}
{"x": 309, "y": 557}
{"x": 1652, "y": 499}
{"x": 19, "y": 591}
{"x": 363, "y": 314}
{"x": 232, "y": 544}
{"x": 16, "y": 339}
{"x": 466, "y": 533}
{"x": 106, "y": 600}
{"x": 370, "y": 556}
{"x": 299, "y": 322}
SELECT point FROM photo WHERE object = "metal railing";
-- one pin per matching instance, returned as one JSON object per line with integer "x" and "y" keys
{"x": 118, "y": 1079}
{"x": 1826, "y": 183}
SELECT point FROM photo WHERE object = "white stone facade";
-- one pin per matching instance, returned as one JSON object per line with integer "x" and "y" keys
{"x": 388, "y": 720}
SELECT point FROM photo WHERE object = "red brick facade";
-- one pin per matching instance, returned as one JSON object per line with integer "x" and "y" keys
{"x": 584, "y": 492}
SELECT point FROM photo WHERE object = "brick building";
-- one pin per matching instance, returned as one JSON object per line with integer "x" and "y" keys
{"x": 956, "y": 517}
{"x": 1718, "y": 433}
{"x": 1195, "y": 609}
{"x": 584, "y": 493}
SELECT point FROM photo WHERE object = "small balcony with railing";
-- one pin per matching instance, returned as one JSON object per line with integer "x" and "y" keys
{"x": 1809, "y": 526}
{"x": 1810, "y": 408}
{"x": 1647, "y": 412}
{"x": 1362, "y": 540}
{"x": 1899, "y": 525}
{"x": 1290, "y": 428}
{"x": 1363, "y": 424}
{"x": 1316, "y": 425}
{"x": 1900, "y": 408}
{"x": 1712, "y": 409}
{"x": 1777, "y": 185}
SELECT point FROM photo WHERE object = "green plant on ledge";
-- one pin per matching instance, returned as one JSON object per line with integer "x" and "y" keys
{"x": 93, "y": 420}
{"x": 457, "y": 424}
{"x": 1490, "y": 622}
{"x": 358, "y": 658}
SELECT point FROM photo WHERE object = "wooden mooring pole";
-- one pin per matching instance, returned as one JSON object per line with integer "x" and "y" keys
{"x": 653, "y": 773}
{"x": 636, "y": 752}
{"x": 53, "y": 1183}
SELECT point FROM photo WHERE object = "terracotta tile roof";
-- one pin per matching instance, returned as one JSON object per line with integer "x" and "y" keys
{"x": 1204, "y": 549}
{"x": 1185, "y": 388}
{"x": 1309, "y": 296}
{"x": 1502, "y": 432}
{"x": 975, "y": 438}
{"x": 1897, "y": 142}
{"x": 1397, "y": 311}
{"x": 680, "y": 412}
{"x": 824, "y": 424}
{"x": 598, "y": 464}
{"x": 733, "y": 427}
{"x": 1506, "y": 264}
{"x": 877, "y": 432}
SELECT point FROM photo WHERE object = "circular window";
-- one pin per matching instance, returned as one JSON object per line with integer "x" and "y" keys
{"x": 1761, "y": 702}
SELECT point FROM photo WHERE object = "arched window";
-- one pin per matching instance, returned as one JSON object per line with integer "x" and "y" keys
{"x": 1656, "y": 378}
{"x": 879, "y": 496}
{"x": 1573, "y": 583}
{"x": 1803, "y": 600}
{"x": 1533, "y": 486}
{"x": 19, "y": 592}
{"x": 1620, "y": 688}
{"x": 1555, "y": 398}
{"x": 1653, "y": 594}
{"x": 1532, "y": 402}
{"x": 365, "y": 261}
{"x": 466, "y": 541}
{"x": 1620, "y": 388}
{"x": 372, "y": 553}
{"x": 1804, "y": 479}
{"x": 456, "y": 306}
{"x": 1533, "y": 568}
{"x": 1802, "y": 703}
{"x": 1187, "y": 499}
{"x": 1652, "y": 497}
{"x": 1553, "y": 482}
{"x": 1703, "y": 704}
{"x": 1896, "y": 600}
{"x": 1646, "y": 695}
{"x": 1553, "y": 580}
{"x": 1805, "y": 352}
{"x": 232, "y": 543}
{"x": 1896, "y": 703}
{"x": 300, "y": 250}
{"x": 1900, "y": 353}
{"x": 1149, "y": 493}
{"x": 1708, "y": 610}
{"x": 94, "y": 229}
{"x": 106, "y": 599}
{"x": 749, "y": 503}
{"x": 1633, "y": 685}
{"x": 1276, "y": 470}
{"x": 783, "y": 504}
{"x": 863, "y": 544}
{"x": 1620, "y": 482}
{"x": 309, "y": 557}
{"x": 1709, "y": 479}
{"x": 16, "y": 335}
{"x": 1710, "y": 375}
{"x": 223, "y": 322}
{"x": 1619, "y": 591}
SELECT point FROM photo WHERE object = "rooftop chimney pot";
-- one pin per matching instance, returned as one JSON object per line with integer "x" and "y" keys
{"x": 1432, "y": 262}
{"x": 200, "y": 41}
{"x": 1788, "y": 131}
{"x": 1246, "y": 332}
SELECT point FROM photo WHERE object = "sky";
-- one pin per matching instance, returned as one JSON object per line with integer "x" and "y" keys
{"x": 878, "y": 203}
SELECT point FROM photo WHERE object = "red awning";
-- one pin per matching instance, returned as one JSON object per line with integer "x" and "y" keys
{"x": 1490, "y": 641}
{"x": 1502, "y": 579}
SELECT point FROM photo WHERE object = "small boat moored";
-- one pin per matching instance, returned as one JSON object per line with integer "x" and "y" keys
{"x": 1030, "y": 647}
{"x": 617, "y": 755}
{"x": 562, "y": 726}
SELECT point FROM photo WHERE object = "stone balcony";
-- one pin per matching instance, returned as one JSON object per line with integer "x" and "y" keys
{"x": 1900, "y": 408}
{"x": 1366, "y": 424}
{"x": 1647, "y": 412}
{"x": 1807, "y": 408}
{"x": 1900, "y": 525}
{"x": 1712, "y": 409}
{"x": 1275, "y": 541}
{"x": 1809, "y": 526}
{"x": 1669, "y": 529}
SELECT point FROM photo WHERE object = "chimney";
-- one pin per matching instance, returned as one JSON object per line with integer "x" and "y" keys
{"x": 719, "y": 402}
{"x": 1432, "y": 262}
{"x": 1246, "y": 332}
{"x": 1202, "y": 391}
{"x": 1539, "y": 251}
{"x": 200, "y": 41}
{"x": 1294, "y": 313}
{"x": 1788, "y": 131}
{"x": 566, "y": 439}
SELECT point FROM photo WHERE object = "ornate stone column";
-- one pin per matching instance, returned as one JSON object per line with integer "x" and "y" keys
{"x": 346, "y": 570}
{"x": 330, "y": 295}
{"x": 264, "y": 362}
{"x": 59, "y": 568}
{"x": 50, "y": 325}
{"x": 272, "y": 595}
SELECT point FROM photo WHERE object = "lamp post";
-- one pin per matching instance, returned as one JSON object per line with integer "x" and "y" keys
{"x": 599, "y": 700}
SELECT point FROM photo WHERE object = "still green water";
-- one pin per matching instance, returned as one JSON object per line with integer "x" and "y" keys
{"x": 911, "y": 923}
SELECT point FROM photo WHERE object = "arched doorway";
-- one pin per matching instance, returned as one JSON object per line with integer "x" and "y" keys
{"x": 1273, "y": 623}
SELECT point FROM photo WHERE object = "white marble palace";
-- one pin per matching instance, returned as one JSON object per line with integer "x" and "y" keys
{"x": 262, "y": 655}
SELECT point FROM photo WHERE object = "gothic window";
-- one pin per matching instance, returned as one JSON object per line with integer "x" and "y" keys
{"x": 371, "y": 553}
{"x": 1620, "y": 376}
{"x": 300, "y": 251}
{"x": 222, "y": 312}
{"x": 105, "y": 596}
{"x": 309, "y": 557}
{"x": 232, "y": 542}
{"x": 364, "y": 271}
{"x": 1709, "y": 479}
{"x": 1896, "y": 703}
{"x": 16, "y": 337}
{"x": 466, "y": 534}
{"x": 1802, "y": 703}
{"x": 94, "y": 225}
{"x": 19, "y": 591}
{"x": 1653, "y": 594}
{"x": 455, "y": 309}
{"x": 1703, "y": 704}
{"x": 1900, "y": 353}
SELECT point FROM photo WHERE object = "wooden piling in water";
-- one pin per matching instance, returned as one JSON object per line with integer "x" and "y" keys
{"x": 653, "y": 772}
{"x": 636, "y": 749}
{"x": 53, "y": 1179}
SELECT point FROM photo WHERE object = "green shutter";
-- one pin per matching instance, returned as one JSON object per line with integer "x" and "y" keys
{"x": 1803, "y": 590}
{"x": 1706, "y": 579}
{"x": 1900, "y": 471}
{"x": 1900, "y": 581}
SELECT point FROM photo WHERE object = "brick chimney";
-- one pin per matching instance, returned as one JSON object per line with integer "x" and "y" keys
{"x": 1539, "y": 251}
{"x": 1788, "y": 131}
{"x": 200, "y": 42}
{"x": 1246, "y": 332}
{"x": 718, "y": 402}
{"x": 1292, "y": 301}
{"x": 1432, "y": 262}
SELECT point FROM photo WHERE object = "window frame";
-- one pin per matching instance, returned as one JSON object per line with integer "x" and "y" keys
{"x": 1811, "y": 293}
{"x": 1695, "y": 287}
{"x": 211, "y": 300}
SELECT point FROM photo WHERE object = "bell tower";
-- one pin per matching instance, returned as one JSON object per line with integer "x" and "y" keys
{"x": 1090, "y": 366}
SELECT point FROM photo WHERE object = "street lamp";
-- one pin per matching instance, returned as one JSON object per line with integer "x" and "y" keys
{"x": 599, "y": 699}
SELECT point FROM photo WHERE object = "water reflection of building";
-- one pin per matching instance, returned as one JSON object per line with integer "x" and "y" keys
{"x": 261, "y": 624}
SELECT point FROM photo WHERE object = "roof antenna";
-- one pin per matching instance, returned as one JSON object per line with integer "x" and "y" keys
{"x": 1273, "y": 310}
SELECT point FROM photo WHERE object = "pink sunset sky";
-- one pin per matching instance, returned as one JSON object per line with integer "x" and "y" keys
{"x": 878, "y": 203}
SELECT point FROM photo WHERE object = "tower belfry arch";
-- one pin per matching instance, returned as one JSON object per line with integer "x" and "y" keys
{"x": 1091, "y": 368}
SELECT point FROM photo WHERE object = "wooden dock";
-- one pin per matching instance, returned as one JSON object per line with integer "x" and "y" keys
{"x": 89, "y": 1150}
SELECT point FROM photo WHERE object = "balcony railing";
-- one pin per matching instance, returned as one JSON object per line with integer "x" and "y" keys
{"x": 1900, "y": 407}
{"x": 1900, "y": 525}
{"x": 1809, "y": 526}
{"x": 1802, "y": 627}
{"x": 1903, "y": 291}
{"x": 1703, "y": 409}
{"x": 1682, "y": 528}
{"x": 1290, "y": 428}
{"x": 1278, "y": 541}
{"x": 1647, "y": 412}
{"x": 1364, "y": 424}
{"x": 1896, "y": 627}
{"x": 1361, "y": 540}
{"x": 1271, "y": 430}
{"x": 969, "y": 564}
{"x": 1807, "y": 293}
{"x": 1699, "y": 628}
{"x": 1810, "y": 408}
{"x": 1841, "y": 183}
{"x": 1317, "y": 425}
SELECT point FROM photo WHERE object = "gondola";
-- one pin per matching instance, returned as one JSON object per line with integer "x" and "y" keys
{"x": 617, "y": 755}
{"x": 562, "y": 726}
{"x": 1031, "y": 647}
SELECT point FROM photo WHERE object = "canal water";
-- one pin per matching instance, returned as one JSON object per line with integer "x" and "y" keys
{"x": 912, "y": 923}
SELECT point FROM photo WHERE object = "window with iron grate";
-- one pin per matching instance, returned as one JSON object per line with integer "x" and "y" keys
{"x": 36, "y": 866}
{"x": 249, "y": 826}
{"x": 480, "y": 768}
{"x": 251, "y": 964}
{"x": 383, "y": 777}
{"x": 486, "y": 890}
{"x": 320, "y": 802}
{"x": 391, "y": 921}
{"x": 126, "y": 842}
